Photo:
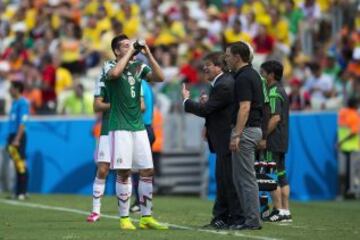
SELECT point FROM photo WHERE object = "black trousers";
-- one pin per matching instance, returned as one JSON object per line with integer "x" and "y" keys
{"x": 227, "y": 205}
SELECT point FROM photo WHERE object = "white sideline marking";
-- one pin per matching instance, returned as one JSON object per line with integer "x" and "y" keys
{"x": 72, "y": 210}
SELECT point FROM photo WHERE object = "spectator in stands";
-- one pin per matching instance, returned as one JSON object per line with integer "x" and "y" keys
{"x": 343, "y": 86}
{"x": 4, "y": 69}
{"x": 48, "y": 76}
{"x": 32, "y": 92}
{"x": 263, "y": 42}
{"x": 320, "y": 87}
{"x": 250, "y": 26}
{"x": 70, "y": 48}
{"x": 64, "y": 79}
{"x": 33, "y": 95}
{"x": 235, "y": 34}
{"x": 298, "y": 99}
{"x": 79, "y": 102}
{"x": 294, "y": 16}
{"x": 187, "y": 29}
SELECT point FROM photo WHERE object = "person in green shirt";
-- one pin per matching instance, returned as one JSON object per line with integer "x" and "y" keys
{"x": 78, "y": 102}
{"x": 130, "y": 147}
{"x": 294, "y": 16}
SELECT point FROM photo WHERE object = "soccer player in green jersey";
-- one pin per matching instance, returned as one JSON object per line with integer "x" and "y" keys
{"x": 129, "y": 143}
{"x": 276, "y": 142}
{"x": 101, "y": 104}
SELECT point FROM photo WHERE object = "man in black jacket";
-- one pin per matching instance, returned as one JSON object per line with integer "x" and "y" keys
{"x": 217, "y": 111}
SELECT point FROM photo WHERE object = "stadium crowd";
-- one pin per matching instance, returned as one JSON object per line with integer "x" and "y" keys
{"x": 57, "y": 47}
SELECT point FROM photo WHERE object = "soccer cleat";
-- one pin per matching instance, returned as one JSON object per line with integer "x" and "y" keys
{"x": 149, "y": 222}
{"x": 93, "y": 217}
{"x": 126, "y": 224}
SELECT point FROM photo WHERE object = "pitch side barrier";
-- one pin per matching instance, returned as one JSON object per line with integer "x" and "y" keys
{"x": 61, "y": 152}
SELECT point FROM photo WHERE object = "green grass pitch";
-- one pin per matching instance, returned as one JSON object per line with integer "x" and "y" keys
{"x": 63, "y": 217}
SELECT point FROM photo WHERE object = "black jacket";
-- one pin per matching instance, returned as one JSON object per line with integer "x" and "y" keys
{"x": 217, "y": 112}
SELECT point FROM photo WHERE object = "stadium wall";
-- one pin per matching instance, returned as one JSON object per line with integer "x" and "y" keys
{"x": 61, "y": 151}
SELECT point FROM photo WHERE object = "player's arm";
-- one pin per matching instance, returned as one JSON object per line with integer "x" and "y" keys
{"x": 142, "y": 104}
{"x": 142, "y": 99}
{"x": 119, "y": 67}
{"x": 275, "y": 108}
{"x": 156, "y": 75}
{"x": 99, "y": 105}
{"x": 273, "y": 122}
{"x": 19, "y": 135}
{"x": 24, "y": 115}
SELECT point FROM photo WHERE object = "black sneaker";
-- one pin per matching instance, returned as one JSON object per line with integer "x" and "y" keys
{"x": 273, "y": 217}
{"x": 286, "y": 218}
{"x": 217, "y": 224}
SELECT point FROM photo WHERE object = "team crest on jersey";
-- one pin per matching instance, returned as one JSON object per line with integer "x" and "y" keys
{"x": 131, "y": 80}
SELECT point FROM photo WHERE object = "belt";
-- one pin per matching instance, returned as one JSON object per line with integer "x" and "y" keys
{"x": 252, "y": 125}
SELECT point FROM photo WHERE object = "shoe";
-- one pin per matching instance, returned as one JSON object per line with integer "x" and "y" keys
{"x": 135, "y": 208}
{"x": 265, "y": 212}
{"x": 216, "y": 224}
{"x": 149, "y": 222}
{"x": 245, "y": 227}
{"x": 126, "y": 224}
{"x": 233, "y": 223}
{"x": 273, "y": 217}
{"x": 93, "y": 217}
{"x": 21, "y": 197}
{"x": 286, "y": 218}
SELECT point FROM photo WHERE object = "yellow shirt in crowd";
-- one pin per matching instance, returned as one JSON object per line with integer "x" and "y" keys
{"x": 63, "y": 80}
{"x": 231, "y": 36}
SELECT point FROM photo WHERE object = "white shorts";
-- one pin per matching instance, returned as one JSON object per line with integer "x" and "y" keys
{"x": 130, "y": 150}
{"x": 103, "y": 151}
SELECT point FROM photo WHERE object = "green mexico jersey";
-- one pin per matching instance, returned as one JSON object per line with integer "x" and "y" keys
{"x": 101, "y": 91}
{"x": 124, "y": 94}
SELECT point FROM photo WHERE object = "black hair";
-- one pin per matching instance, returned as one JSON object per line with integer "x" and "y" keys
{"x": 352, "y": 102}
{"x": 217, "y": 58}
{"x": 18, "y": 85}
{"x": 274, "y": 67}
{"x": 242, "y": 49}
{"x": 116, "y": 41}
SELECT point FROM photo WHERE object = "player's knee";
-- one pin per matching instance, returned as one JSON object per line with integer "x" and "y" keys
{"x": 282, "y": 179}
{"x": 124, "y": 174}
{"x": 147, "y": 172}
{"x": 102, "y": 171}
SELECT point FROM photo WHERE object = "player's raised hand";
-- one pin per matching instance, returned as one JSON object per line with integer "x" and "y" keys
{"x": 203, "y": 97}
{"x": 185, "y": 92}
{"x": 146, "y": 50}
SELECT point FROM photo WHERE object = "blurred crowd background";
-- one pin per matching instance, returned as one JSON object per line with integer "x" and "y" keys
{"x": 57, "y": 47}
